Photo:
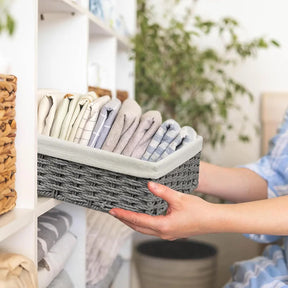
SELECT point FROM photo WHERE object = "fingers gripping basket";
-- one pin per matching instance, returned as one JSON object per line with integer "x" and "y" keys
{"x": 102, "y": 180}
{"x": 8, "y": 86}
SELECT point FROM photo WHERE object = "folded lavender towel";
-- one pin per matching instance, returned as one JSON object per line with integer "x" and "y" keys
{"x": 89, "y": 119}
{"x": 104, "y": 122}
{"x": 166, "y": 133}
{"x": 123, "y": 127}
{"x": 186, "y": 135}
{"x": 138, "y": 143}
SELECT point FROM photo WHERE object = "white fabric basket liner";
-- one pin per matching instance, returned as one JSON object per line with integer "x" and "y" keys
{"x": 116, "y": 162}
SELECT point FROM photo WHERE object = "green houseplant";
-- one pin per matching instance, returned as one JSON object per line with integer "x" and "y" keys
{"x": 7, "y": 22}
{"x": 186, "y": 80}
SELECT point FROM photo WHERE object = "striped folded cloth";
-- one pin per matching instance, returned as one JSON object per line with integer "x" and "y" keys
{"x": 138, "y": 143}
{"x": 186, "y": 135}
{"x": 89, "y": 119}
{"x": 166, "y": 133}
{"x": 104, "y": 122}
{"x": 51, "y": 227}
{"x": 124, "y": 126}
{"x": 78, "y": 113}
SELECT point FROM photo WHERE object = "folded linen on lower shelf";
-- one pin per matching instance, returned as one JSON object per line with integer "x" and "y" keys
{"x": 62, "y": 280}
{"x": 53, "y": 263}
{"x": 104, "y": 238}
{"x": 51, "y": 227}
{"x": 110, "y": 276}
{"x": 17, "y": 271}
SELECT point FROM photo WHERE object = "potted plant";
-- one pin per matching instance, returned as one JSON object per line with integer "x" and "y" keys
{"x": 186, "y": 80}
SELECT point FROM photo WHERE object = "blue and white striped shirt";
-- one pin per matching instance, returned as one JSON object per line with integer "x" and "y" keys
{"x": 269, "y": 270}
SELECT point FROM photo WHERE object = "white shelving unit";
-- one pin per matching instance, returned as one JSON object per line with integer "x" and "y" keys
{"x": 55, "y": 43}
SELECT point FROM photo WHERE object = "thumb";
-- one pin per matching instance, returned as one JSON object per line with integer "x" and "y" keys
{"x": 164, "y": 192}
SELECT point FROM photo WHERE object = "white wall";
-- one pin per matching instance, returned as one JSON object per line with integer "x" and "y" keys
{"x": 267, "y": 73}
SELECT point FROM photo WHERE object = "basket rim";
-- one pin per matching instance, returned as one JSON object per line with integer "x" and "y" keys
{"x": 98, "y": 158}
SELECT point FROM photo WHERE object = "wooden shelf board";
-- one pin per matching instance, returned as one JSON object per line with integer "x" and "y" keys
{"x": 14, "y": 220}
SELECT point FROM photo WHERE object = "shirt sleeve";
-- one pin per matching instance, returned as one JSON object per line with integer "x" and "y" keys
{"x": 273, "y": 167}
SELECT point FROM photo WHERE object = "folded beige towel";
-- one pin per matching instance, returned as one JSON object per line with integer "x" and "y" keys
{"x": 60, "y": 114}
{"x": 124, "y": 126}
{"x": 149, "y": 124}
{"x": 17, "y": 271}
{"x": 46, "y": 109}
{"x": 79, "y": 112}
{"x": 70, "y": 117}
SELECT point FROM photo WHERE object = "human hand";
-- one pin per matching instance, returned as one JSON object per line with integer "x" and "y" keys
{"x": 187, "y": 215}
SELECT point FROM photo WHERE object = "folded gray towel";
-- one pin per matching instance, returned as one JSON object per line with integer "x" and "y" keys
{"x": 138, "y": 143}
{"x": 166, "y": 133}
{"x": 51, "y": 227}
{"x": 104, "y": 122}
{"x": 123, "y": 127}
{"x": 186, "y": 135}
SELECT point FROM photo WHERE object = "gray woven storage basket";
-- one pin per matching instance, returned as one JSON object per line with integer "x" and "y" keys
{"x": 66, "y": 176}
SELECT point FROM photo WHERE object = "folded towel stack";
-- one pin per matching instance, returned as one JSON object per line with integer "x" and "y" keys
{"x": 17, "y": 271}
{"x": 111, "y": 125}
{"x": 55, "y": 245}
{"x": 104, "y": 238}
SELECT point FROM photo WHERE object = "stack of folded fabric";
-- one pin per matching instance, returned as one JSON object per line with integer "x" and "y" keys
{"x": 111, "y": 125}
{"x": 17, "y": 271}
{"x": 104, "y": 238}
{"x": 55, "y": 245}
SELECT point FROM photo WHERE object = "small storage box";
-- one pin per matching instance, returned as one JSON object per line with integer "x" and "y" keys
{"x": 103, "y": 180}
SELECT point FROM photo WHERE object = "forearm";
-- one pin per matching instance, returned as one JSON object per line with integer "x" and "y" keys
{"x": 267, "y": 216}
{"x": 233, "y": 184}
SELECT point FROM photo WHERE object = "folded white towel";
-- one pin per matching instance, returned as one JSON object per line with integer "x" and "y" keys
{"x": 123, "y": 127}
{"x": 60, "y": 114}
{"x": 149, "y": 124}
{"x": 62, "y": 280}
{"x": 70, "y": 117}
{"x": 47, "y": 105}
{"x": 56, "y": 258}
{"x": 89, "y": 119}
{"x": 166, "y": 133}
{"x": 79, "y": 112}
{"x": 186, "y": 135}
